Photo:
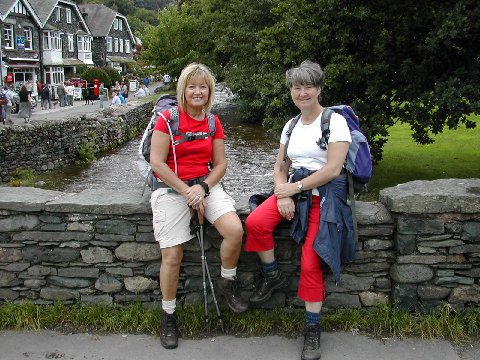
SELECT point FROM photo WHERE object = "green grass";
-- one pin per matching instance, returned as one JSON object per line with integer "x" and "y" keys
{"x": 382, "y": 321}
{"x": 454, "y": 154}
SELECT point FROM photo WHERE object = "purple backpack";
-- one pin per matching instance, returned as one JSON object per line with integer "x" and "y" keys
{"x": 359, "y": 159}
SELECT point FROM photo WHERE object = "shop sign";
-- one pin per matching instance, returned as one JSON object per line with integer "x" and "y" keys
{"x": 20, "y": 42}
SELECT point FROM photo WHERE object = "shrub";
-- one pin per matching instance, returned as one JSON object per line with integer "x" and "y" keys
{"x": 96, "y": 73}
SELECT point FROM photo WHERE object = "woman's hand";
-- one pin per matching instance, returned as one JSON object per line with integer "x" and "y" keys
{"x": 286, "y": 207}
{"x": 285, "y": 190}
{"x": 195, "y": 195}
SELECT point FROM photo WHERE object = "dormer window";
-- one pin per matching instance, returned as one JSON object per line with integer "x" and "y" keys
{"x": 68, "y": 13}
{"x": 115, "y": 24}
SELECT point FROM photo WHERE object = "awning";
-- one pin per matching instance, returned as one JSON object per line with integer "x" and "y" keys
{"x": 23, "y": 59}
{"x": 72, "y": 62}
{"x": 120, "y": 59}
{"x": 22, "y": 66}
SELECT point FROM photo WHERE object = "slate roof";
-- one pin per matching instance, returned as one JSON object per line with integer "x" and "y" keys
{"x": 100, "y": 19}
{"x": 6, "y": 6}
{"x": 44, "y": 9}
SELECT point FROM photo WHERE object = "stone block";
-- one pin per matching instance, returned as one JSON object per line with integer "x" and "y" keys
{"x": 411, "y": 273}
{"x": 418, "y": 225}
{"x": 404, "y": 297}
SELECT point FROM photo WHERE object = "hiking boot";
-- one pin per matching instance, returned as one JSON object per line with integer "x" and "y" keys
{"x": 169, "y": 334}
{"x": 270, "y": 281}
{"x": 231, "y": 290}
{"x": 311, "y": 343}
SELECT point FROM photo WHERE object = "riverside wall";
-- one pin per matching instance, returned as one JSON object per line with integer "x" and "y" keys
{"x": 54, "y": 144}
{"x": 418, "y": 247}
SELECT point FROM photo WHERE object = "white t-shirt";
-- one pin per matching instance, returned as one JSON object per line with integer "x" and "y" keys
{"x": 303, "y": 149}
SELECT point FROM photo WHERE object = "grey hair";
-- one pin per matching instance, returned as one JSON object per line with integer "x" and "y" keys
{"x": 307, "y": 73}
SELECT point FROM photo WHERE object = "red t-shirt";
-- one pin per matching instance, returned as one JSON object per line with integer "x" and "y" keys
{"x": 194, "y": 156}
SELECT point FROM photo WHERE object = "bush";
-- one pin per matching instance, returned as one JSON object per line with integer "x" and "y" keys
{"x": 96, "y": 73}
{"x": 113, "y": 75}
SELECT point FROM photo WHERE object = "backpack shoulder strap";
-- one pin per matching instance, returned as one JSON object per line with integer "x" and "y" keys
{"x": 211, "y": 124}
{"x": 325, "y": 126}
{"x": 289, "y": 133}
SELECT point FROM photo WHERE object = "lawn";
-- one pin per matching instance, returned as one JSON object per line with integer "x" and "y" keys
{"x": 454, "y": 154}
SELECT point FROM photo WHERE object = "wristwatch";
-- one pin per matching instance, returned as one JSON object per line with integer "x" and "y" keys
{"x": 299, "y": 185}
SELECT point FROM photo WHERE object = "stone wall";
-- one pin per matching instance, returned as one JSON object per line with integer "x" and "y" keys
{"x": 47, "y": 145}
{"x": 418, "y": 247}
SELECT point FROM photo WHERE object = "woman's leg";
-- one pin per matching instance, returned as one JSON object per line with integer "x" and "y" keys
{"x": 170, "y": 271}
{"x": 260, "y": 226}
{"x": 230, "y": 228}
{"x": 311, "y": 288}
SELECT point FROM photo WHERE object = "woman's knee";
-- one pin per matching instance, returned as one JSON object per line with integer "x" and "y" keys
{"x": 171, "y": 258}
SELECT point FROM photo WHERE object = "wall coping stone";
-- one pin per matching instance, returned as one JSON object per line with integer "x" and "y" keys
{"x": 433, "y": 197}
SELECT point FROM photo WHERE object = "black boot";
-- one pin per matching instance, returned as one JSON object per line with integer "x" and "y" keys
{"x": 270, "y": 281}
{"x": 311, "y": 344}
{"x": 169, "y": 334}
{"x": 231, "y": 290}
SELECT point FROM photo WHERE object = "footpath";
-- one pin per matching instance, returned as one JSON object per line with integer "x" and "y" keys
{"x": 47, "y": 344}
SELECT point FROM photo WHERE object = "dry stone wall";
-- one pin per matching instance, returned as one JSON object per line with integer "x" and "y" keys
{"x": 47, "y": 145}
{"x": 418, "y": 247}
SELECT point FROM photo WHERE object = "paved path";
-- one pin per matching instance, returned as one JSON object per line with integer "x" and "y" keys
{"x": 335, "y": 346}
{"x": 79, "y": 108}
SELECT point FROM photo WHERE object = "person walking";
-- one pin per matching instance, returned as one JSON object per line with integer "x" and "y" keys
{"x": 315, "y": 195}
{"x": 185, "y": 183}
{"x": 61, "y": 92}
{"x": 45, "y": 97}
{"x": 102, "y": 95}
{"x": 9, "y": 96}
{"x": 116, "y": 99}
{"x": 25, "y": 106}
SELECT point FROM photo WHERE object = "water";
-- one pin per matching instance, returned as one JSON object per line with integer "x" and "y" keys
{"x": 250, "y": 152}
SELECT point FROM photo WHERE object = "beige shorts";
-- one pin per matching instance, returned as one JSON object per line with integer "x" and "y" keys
{"x": 171, "y": 214}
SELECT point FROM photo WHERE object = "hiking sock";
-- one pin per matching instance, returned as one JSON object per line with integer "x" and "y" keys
{"x": 270, "y": 267}
{"x": 312, "y": 318}
{"x": 229, "y": 274}
{"x": 169, "y": 306}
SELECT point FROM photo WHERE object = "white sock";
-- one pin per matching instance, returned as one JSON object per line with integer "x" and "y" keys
{"x": 228, "y": 273}
{"x": 169, "y": 306}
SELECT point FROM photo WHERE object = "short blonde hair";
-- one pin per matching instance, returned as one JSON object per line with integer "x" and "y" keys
{"x": 189, "y": 72}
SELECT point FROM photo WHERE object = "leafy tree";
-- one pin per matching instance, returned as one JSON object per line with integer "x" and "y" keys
{"x": 95, "y": 73}
{"x": 412, "y": 61}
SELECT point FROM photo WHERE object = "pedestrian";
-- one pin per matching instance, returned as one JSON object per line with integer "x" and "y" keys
{"x": 116, "y": 99}
{"x": 45, "y": 96}
{"x": 186, "y": 184}
{"x": 69, "y": 90}
{"x": 61, "y": 92}
{"x": 141, "y": 92}
{"x": 146, "y": 81}
{"x": 102, "y": 95}
{"x": 25, "y": 106}
{"x": 316, "y": 178}
{"x": 9, "y": 96}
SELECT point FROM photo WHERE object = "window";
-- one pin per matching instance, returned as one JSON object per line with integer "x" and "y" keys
{"x": 121, "y": 45}
{"x": 28, "y": 38}
{"x": 52, "y": 40}
{"x": 120, "y": 24}
{"x": 109, "y": 44}
{"x": 8, "y": 36}
{"x": 115, "y": 24}
{"x": 115, "y": 44}
{"x": 54, "y": 75}
{"x": 68, "y": 12}
{"x": 127, "y": 46}
{"x": 71, "y": 45}
{"x": 58, "y": 14}
{"x": 84, "y": 43}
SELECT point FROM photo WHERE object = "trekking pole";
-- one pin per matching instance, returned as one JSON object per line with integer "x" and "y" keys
{"x": 207, "y": 270}
{"x": 199, "y": 230}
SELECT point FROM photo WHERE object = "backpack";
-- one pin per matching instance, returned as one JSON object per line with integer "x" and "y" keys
{"x": 358, "y": 164}
{"x": 166, "y": 102}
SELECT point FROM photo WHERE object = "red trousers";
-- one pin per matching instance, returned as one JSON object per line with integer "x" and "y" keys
{"x": 260, "y": 226}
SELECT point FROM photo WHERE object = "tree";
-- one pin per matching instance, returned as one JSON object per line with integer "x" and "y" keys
{"x": 416, "y": 62}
